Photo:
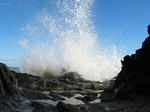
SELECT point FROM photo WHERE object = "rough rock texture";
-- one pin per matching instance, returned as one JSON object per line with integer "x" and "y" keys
{"x": 135, "y": 74}
{"x": 68, "y": 81}
{"x": 6, "y": 81}
{"x": 62, "y": 107}
{"x": 20, "y": 92}
{"x": 23, "y": 92}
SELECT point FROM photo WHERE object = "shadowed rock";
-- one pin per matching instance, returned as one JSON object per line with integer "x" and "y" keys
{"x": 134, "y": 76}
{"x": 148, "y": 29}
{"x": 6, "y": 81}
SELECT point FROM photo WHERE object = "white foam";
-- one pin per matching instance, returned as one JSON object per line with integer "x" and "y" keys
{"x": 66, "y": 38}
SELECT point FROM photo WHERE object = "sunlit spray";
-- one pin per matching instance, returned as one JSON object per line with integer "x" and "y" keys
{"x": 65, "y": 38}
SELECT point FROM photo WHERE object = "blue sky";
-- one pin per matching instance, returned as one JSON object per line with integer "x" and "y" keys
{"x": 123, "y": 23}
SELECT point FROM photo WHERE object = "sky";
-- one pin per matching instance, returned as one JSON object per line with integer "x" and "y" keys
{"x": 119, "y": 22}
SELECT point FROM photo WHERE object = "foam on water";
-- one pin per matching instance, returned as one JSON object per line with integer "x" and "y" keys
{"x": 65, "y": 38}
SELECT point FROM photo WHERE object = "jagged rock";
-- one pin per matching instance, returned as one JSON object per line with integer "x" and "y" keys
{"x": 27, "y": 97}
{"x": 134, "y": 76}
{"x": 6, "y": 81}
{"x": 148, "y": 29}
{"x": 71, "y": 77}
{"x": 29, "y": 81}
{"x": 68, "y": 81}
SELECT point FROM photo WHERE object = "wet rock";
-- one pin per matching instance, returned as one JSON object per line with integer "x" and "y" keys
{"x": 14, "y": 104}
{"x": 87, "y": 96}
{"x": 86, "y": 99}
{"x": 43, "y": 107}
{"x": 56, "y": 97}
{"x": 93, "y": 108}
{"x": 33, "y": 95}
{"x": 68, "y": 93}
{"x": 31, "y": 88}
{"x": 62, "y": 107}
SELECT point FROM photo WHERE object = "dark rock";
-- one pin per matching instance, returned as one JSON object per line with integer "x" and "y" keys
{"x": 142, "y": 85}
{"x": 134, "y": 76}
{"x": 56, "y": 97}
{"x": 29, "y": 81}
{"x": 66, "y": 82}
{"x": 88, "y": 98}
{"x": 93, "y": 108}
{"x": 107, "y": 95}
{"x": 6, "y": 81}
{"x": 43, "y": 107}
{"x": 62, "y": 107}
{"x": 33, "y": 95}
{"x": 14, "y": 103}
{"x": 148, "y": 29}
{"x": 68, "y": 93}
{"x": 18, "y": 90}
{"x": 71, "y": 76}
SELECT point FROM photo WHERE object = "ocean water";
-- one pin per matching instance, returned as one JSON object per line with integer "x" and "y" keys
{"x": 65, "y": 38}
{"x": 16, "y": 69}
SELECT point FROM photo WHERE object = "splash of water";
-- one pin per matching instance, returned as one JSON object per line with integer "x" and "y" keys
{"x": 66, "y": 38}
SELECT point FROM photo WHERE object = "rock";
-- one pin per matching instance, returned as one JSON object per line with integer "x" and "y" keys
{"x": 134, "y": 76}
{"x": 33, "y": 95}
{"x": 107, "y": 95}
{"x": 93, "y": 108}
{"x": 142, "y": 85}
{"x": 71, "y": 77}
{"x": 66, "y": 82}
{"x": 62, "y": 107}
{"x": 88, "y": 98}
{"x": 56, "y": 97}
{"x": 68, "y": 93}
{"x": 29, "y": 81}
{"x": 14, "y": 104}
{"x": 43, "y": 107}
{"x": 6, "y": 81}
{"x": 148, "y": 29}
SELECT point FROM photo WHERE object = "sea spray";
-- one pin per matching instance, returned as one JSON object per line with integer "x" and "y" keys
{"x": 66, "y": 39}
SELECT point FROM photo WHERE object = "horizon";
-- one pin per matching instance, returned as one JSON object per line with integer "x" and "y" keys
{"x": 120, "y": 23}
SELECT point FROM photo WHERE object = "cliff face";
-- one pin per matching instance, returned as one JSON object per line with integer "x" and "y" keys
{"x": 134, "y": 76}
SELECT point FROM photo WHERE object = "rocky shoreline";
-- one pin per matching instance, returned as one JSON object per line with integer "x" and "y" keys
{"x": 67, "y": 93}
{"x": 128, "y": 92}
